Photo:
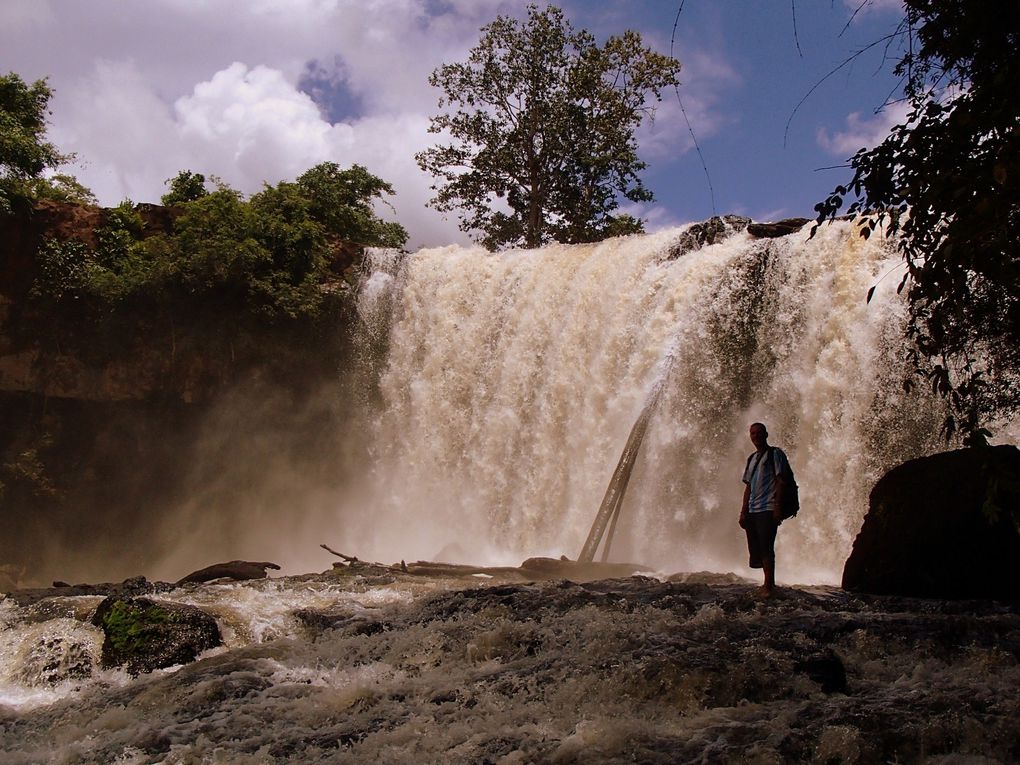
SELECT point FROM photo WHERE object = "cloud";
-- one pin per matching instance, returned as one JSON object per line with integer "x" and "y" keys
{"x": 705, "y": 80}
{"x": 868, "y": 6}
{"x": 123, "y": 132}
{"x": 22, "y": 15}
{"x": 255, "y": 125}
{"x": 142, "y": 92}
{"x": 145, "y": 90}
{"x": 862, "y": 132}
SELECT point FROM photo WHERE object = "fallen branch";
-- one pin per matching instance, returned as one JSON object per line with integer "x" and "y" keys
{"x": 235, "y": 569}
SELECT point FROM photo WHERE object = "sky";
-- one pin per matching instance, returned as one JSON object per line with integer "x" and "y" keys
{"x": 255, "y": 91}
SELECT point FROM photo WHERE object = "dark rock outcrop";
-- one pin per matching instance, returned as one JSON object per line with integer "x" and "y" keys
{"x": 142, "y": 635}
{"x": 776, "y": 229}
{"x": 942, "y": 527}
{"x": 711, "y": 231}
{"x": 136, "y": 585}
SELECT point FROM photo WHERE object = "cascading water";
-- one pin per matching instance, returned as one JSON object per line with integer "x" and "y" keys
{"x": 512, "y": 381}
{"x": 507, "y": 389}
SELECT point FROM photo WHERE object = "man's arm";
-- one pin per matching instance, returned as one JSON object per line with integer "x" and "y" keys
{"x": 743, "y": 507}
{"x": 780, "y": 489}
{"x": 780, "y": 492}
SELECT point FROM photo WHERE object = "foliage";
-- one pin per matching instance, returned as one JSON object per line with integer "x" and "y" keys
{"x": 948, "y": 184}
{"x": 61, "y": 187}
{"x": 230, "y": 273}
{"x": 63, "y": 269}
{"x": 186, "y": 186}
{"x": 27, "y": 471}
{"x": 543, "y": 119}
{"x": 24, "y": 152}
{"x": 341, "y": 200}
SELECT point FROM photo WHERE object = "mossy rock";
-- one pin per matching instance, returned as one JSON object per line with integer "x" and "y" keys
{"x": 142, "y": 635}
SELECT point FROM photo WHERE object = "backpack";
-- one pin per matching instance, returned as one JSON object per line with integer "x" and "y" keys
{"x": 791, "y": 496}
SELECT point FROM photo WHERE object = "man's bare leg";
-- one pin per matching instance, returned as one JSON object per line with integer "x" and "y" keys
{"x": 769, "y": 587}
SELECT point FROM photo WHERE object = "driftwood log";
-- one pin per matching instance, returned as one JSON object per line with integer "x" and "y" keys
{"x": 530, "y": 570}
{"x": 235, "y": 569}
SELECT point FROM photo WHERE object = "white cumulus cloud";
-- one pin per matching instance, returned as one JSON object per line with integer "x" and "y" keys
{"x": 861, "y": 132}
{"x": 144, "y": 90}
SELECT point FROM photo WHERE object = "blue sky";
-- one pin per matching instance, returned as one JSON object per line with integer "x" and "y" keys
{"x": 760, "y": 76}
{"x": 260, "y": 90}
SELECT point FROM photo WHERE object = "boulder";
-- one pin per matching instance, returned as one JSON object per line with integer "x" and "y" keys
{"x": 776, "y": 229}
{"x": 944, "y": 526}
{"x": 142, "y": 635}
{"x": 707, "y": 232}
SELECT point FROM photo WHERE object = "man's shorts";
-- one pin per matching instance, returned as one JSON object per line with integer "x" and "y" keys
{"x": 761, "y": 538}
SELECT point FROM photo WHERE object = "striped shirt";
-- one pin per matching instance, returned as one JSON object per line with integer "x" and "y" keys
{"x": 760, "y": 474}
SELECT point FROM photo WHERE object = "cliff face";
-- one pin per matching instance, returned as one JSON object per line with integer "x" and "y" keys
{"x": 28, "y": 367}
{"x": 107, "y": 433}
{"x": 169, "y": 366}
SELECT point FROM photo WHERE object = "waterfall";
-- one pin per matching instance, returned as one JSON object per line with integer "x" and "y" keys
{"x": 510, "y": 382}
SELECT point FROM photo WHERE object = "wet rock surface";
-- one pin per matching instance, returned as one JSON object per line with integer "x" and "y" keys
{"x": 632, "y": 669}
{"x": 142, "y": 635}
{"x": 942, "y": 527}
{"x": 777, "y": 228}
{"x": 235, "y": 569}
{"x": 136, "y": 585}
{"x": 711, "y": 231}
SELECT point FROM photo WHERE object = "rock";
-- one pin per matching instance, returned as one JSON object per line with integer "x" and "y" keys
{"x": 777, "y": 229}
{"x": 143, "y": 635}
{"x": 55, "y": 659}
{"x": 135, "y": 585}
{"x": 708, "y": 232}
{"x": 826, "y": 669}
{"x": 942, "y": 527}
{"x": 235, "y": 569}
{"x": 348, "y": 623}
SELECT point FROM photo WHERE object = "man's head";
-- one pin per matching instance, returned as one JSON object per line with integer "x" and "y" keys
{"x": 759, "y": 435}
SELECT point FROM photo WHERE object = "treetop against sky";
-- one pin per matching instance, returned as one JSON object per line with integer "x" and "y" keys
{"x": 261, "y": 91}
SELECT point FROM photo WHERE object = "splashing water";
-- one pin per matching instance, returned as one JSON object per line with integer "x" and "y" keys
{"x": 512, "y": 380}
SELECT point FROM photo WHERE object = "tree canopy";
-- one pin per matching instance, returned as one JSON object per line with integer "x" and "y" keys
{"x": 947, "y": 183}
{"x": 186, "y": 186}
{"x": 272, "y": 264}
{"x": 24, "y": 152}
{"x": 542, "y": 122}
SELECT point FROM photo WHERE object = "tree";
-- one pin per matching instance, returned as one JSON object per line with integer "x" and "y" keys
{"x": 24, "y": 152}
{"x": 341, "y": 200}
{"x": 185, "y": 187}
{"x": 947, "y": 183}
{"x": 543, "y": 120}
{"x": 61, "y": 187}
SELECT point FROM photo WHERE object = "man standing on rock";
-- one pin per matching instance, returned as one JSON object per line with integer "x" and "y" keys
{"x": 760, "y": 514}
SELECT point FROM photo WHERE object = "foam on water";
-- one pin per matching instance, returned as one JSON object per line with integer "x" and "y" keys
{"x": 633, "y": 670}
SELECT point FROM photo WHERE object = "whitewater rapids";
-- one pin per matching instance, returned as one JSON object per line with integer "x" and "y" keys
{"x": 351, "y": 668}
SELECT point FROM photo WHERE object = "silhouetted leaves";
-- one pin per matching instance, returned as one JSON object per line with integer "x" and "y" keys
{"x": 945, "y": 183}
